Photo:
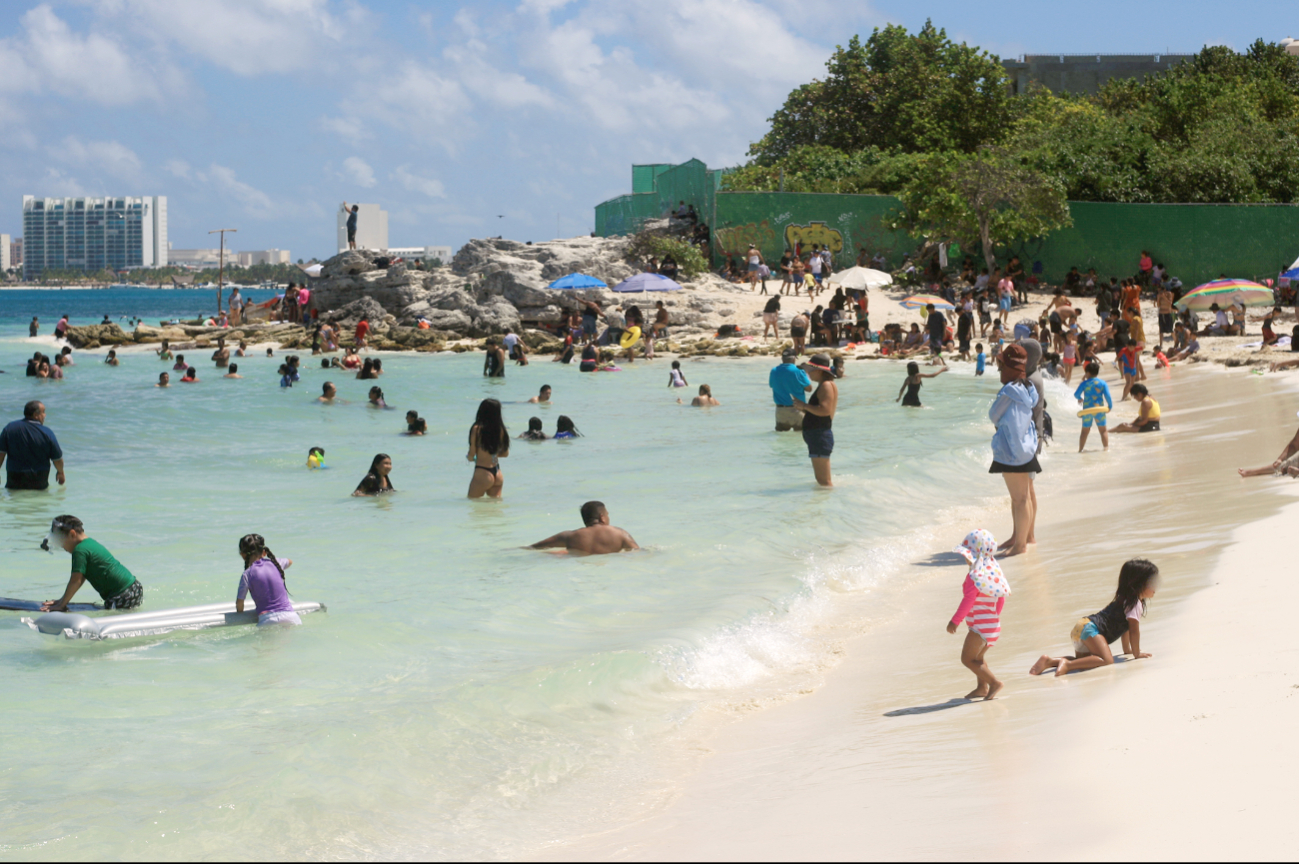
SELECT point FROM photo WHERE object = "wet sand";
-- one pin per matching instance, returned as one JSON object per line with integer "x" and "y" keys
{"x": 1186, "y": 754}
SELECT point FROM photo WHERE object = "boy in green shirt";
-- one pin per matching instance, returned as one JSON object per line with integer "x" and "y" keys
{"x": 92, "y": 563}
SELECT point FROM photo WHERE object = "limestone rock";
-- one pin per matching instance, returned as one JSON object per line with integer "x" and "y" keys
{"x": 101, "y": 334}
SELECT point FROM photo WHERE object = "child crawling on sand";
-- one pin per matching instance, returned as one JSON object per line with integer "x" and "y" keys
{"x": 985, "y": 591}
{"x": 1091, "y": 636}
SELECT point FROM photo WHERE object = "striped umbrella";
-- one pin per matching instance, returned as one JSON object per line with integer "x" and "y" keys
{"x": 1226, "y": 292}
{"x": 920, "y": 301}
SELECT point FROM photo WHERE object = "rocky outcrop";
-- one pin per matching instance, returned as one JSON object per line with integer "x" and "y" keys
{"x": 95, "y": 335}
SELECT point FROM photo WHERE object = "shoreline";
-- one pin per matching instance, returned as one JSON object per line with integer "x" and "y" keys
{"x": 831, "y": 773}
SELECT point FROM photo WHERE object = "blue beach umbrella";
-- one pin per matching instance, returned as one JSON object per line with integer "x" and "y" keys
{"x": 646, "y": 282}
{"x": 578, "y": 280}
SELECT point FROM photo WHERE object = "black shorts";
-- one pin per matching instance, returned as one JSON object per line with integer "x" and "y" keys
{"x": 1151, "y": 426}
{"x": 820, "y": 442}
{"x": 965, "y": 346}
{"x": 1165, "y": 322}
{"x": 131, "y": 597}
{"x": 1056, "y": 326}
{"x": 351, "y": 235}
{"x": 28, "y": 480}
{"x": 1029, "y": 467}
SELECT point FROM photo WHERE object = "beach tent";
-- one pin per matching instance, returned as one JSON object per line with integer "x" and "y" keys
{"x": 1293, "y": 271}
{"x": 578, "y": 280}
{"x": 861, "y": 278}
{"x": 646, "y": 282}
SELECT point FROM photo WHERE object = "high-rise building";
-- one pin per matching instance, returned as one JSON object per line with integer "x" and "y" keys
{"x": 371, "y": 227}
{"x": 93, "y": 234}
{"x": 16, "y": 253}
{"x": 6, "y": 259}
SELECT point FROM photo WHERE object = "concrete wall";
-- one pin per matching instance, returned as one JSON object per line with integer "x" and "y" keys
{"x": 1084, "y": 73}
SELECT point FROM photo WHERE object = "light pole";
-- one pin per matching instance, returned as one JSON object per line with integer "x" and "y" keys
{"x": 221, "y": 263}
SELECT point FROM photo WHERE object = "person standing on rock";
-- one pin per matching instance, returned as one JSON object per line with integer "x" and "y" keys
{"x": 351, "y": 223}
{"x": 236, "y": 306}
{"x": 30, "y": 447}
{"x": 362, "y": 331}
{"x": 590, "y": 320}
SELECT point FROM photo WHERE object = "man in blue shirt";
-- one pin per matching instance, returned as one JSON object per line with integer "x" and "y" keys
{"x": 30, "y": 448}
{"x": 788, "y": 382}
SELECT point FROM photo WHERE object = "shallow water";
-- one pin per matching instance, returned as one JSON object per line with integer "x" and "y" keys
{"x": 463, "y": 696}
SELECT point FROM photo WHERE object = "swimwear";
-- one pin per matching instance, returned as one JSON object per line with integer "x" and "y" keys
{"x": 912, "y": 397}
{"x": 1030, "y": 467}
{"x": 1151, "y": 426}
{"x": 797, "y": 332}
{"x": 129, "y": 598}
{"x": 492, "y": 469}
{"x": 678, "y": 380}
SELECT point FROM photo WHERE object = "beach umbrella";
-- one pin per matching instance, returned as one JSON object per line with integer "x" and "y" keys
{"x": 861, "y": 278}
{"x": 920, "y": 301}
{"x": 646, "y": 282}
{"x": 1292, "y": 272}
{"x": 313, "y": 271}
{"x": 1226, "y": 292}
{"x": 578, "y": 280}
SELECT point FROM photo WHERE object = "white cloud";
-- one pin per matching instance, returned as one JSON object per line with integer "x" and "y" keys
{"x": 357, "y": 171}
{"x": 350, "y": 129}
{"x": 491, "y": 83}
{"x": 426, "y": 185}
{"x": 105, "y": 157}
{"x": 417, "y": 99}
{"x": 254, "y": 202}
{"x": 94, "y": 67}
{"x": 56, "y": 184}
{"x": 177, "y": 168}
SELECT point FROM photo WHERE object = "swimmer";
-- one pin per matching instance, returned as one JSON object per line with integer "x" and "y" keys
{"x": 911, "y": 386}
{"x": 242, "y": 350}
{"x": 270, "y": 352}
{"x": 415, "y": 425}
{"x": 181, "y": 365}
{"x": 377, "y": 369}
{"x": 489, "y": 442}
{"x": 234, "y": 372}
{"x": 164, "y": 350}
{"x": 164, "y": 380}
{"x": 191, "y": 376}
{"x": 564, "y": 428}
{"x": 328, "y": 392}
{"x": 316, "y": 457}
{"x": 377, "y": 481}
{"x": 111, "y": 359}
{"x": 597, "y": 538}
{"x": 376, "y": 398}
{"x": 286, "y": 375}
{"x": 92, "y": 563}
{"x": 704, "y": 399}
{"x": 263, "y": 577}
{"x": 543, "y": 397}
{"x": 221, "y": 356}
{"x": 534, "y": 432}
{"x": 676, "y": 378}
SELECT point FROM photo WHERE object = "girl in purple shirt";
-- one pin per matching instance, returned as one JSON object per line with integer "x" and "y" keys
{"x": 263, "y": 577}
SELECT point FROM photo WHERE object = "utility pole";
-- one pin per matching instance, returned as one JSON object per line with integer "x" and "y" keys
{"x": 221, "y": 263}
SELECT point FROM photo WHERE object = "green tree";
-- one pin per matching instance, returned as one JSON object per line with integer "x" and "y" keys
{"x": 990, "y": 198}
{"x": 898, "y": 92}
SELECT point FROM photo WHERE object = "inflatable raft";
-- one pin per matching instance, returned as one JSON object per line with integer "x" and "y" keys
{"x": 13, "y": 605}
{"x": 74, "y": 626}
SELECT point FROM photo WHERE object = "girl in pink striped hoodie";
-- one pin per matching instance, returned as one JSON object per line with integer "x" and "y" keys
{"x": 985, "y": 591}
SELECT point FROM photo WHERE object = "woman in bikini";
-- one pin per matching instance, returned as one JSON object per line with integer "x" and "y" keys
{"x": 489, "y": 442}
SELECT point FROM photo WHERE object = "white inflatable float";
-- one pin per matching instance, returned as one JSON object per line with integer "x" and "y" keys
{"x": 74, "y": 626}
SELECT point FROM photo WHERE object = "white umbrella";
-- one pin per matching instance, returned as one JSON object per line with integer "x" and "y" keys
{"x": 313, "y": 270}
{"x": 861, "y": 277}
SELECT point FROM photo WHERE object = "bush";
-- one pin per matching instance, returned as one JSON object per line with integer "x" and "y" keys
{"x": 688, "y": 257}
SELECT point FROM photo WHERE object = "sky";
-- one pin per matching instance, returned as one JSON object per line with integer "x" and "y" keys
{"x": 460, "y": 119}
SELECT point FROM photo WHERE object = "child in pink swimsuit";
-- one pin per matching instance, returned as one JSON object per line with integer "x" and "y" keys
{"x": 985, "y": 591}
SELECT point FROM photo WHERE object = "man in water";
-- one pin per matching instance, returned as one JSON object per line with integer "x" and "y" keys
{"x": 787, "y": 382}
{"x": 494, "y": 363}
{"x": 328, "y": 392}
{"x": 351, "y": 223}
{"x": 515, "y": 347}
{"x": 34, "y": 327}
{"x": 221, "y": 356}
{"x": 30, "y": 448}
{"x": 597, "y": 538}
{"x": 542, "y": 398}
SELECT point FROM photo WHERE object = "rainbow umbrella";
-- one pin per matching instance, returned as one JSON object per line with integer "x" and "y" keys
{"x": 920, "y": 301}
{"x": 1226, "y": 292}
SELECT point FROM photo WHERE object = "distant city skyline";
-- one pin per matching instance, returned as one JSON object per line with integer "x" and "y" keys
{"x": 463, "y": 120}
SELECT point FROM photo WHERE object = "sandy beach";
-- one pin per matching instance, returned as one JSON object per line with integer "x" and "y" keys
{"x": 1182, "y": 755}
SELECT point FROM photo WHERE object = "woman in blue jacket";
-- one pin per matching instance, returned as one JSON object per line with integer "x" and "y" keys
{"x": 1014, "y": 446}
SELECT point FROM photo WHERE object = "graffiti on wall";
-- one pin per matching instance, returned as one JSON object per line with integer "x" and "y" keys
{"x": 738, "y": 239}
{"x": 814, "y": 233}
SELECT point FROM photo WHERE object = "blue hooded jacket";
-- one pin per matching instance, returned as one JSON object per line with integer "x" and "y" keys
{"x": 1015, "y": 441}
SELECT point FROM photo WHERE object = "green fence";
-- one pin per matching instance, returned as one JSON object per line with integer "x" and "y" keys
{"x": 642, "y": 176}
{"x": 1196, "y": 242}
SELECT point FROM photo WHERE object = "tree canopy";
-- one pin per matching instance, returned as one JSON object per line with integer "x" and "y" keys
{"x": 1222, "y": 127}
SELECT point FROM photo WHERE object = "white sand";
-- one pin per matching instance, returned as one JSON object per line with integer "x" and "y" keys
{"x": 1186, "y": 755}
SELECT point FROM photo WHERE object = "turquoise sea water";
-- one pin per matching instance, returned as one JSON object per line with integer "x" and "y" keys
{"x": 463, "y": 696}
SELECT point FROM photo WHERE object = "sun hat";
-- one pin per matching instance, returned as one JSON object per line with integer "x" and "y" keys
{"x": 820, "y": 362}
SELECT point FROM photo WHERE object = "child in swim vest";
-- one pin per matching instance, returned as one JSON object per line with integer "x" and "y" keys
{"x": 316, "y": 457}
{"x": 1093, "y": 635}
{"x": 984, "y": 596}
